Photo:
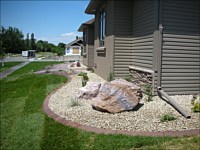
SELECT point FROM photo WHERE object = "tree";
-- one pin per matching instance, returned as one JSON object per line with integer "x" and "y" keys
{"x": 32, "y": 42}
{"x": 27, "y": 42}
{"x": 11, "y": 40}
{"x": 40, "y": 46}
{"x": 61, "y": 45}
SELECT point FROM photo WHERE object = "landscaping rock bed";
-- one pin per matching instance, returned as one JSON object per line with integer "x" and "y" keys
{"x": 147, "y": 117}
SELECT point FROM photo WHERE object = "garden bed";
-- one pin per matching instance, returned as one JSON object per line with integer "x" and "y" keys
{"x": 150, "y": 116}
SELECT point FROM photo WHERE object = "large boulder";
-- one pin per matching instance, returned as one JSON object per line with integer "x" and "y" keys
{"x": 90, "y": 90}
{"x": 117, "y": 96}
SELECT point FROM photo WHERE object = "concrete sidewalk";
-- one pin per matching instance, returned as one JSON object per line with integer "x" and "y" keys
{"x": 11, "y": 70}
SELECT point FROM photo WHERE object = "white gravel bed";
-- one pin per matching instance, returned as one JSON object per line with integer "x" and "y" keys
{"x": 146, "y": 118}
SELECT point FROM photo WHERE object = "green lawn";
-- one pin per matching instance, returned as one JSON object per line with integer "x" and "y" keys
{"x": 8, "y": 65}
{"x": 25, "y": 127}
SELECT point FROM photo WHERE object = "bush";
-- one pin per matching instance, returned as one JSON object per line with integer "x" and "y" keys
{"x": 196, "y": 107}
{"x": 167, "y": 117}
{"x": 148, "y": 91}
{"x": 127, "y": 78}
{"x": 111, "y": 76}
{"x": 74, "y": 102}
{"x": 85, "y": 78}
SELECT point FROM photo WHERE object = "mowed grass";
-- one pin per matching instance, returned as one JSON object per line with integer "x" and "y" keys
{"x": 24, "y": 126}
{"x": 32, "y": 67}
{"x": 8, "y": 65}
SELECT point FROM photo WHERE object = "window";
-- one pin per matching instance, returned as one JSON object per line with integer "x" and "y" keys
{"x": 102, "y": 26}
{"x": 75, "y": 50}
{"x": 68, "y": 50}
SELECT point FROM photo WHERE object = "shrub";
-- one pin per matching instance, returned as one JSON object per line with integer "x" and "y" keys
{"x": 148, "y": 91}
{"x": 74, "y": 102}
{"x": 196, "y": 107}
{"x": 82, "y": 74}
{"x": 111, "y": 76}
{"x": 85, "y": 78}
{"x": 167, "y": 117}
{"x": 196, "y": 104}
{"x": 127, "y": 78}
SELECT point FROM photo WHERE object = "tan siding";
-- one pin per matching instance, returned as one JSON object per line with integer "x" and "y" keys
{"x": 123, "y": 18}
{"x": 104, "y": 63}
{"x": 123, "y": 39}
{"x": 90, "y": 56}
{"x": 143, "y": 28}
{"x": 122, "y": 56}
{"x": 181, "y": 49}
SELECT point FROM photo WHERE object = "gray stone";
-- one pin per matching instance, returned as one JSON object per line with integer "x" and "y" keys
{"x": 117, "y": 96}
{"x": 89, "y": 91}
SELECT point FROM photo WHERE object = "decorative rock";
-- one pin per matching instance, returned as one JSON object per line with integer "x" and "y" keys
{"x": 89, "y": 91}
{"x": 117, "y": 96}
{"x": 140, "y": 120}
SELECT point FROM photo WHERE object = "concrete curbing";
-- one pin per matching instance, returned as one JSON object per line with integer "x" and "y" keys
{"x": 46, "y": 109}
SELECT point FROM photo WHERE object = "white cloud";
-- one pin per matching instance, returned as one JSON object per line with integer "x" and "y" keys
{"x": 68, "y": 34}
{"x": 63, "y": 38}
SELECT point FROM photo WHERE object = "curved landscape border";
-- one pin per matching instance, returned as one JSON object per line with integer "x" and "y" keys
{"x": 46, "y": 109}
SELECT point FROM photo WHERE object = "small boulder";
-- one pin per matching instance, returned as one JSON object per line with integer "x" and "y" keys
{"x": 89, "y": 91}
{"x": 117, "y": 96}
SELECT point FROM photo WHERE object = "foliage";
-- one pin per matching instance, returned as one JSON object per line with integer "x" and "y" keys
{"x": 85, "y": 78}
{"x": 196, "y": 107}
{"x": 167, "y": 117}
{"x": 148, "y": 91}
{"x": 74, "y": 102}
{"x": 27, "y": 42}
{"x": 111, "y": 76}
{"x": 11, "y": 40}
{"x": 44, "y": 46}
{"x": 32, "y": 42}
{"x": 25, "y": 126}
{"x": 127, "y": 78}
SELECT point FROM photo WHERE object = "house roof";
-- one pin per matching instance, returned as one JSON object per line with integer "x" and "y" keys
{"x": 78, "y": 41}
{"x": 83, "y": 25}
{"x": 93, "y": 6}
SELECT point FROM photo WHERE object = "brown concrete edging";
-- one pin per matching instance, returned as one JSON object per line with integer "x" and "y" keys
{"x": 46, "y": 109}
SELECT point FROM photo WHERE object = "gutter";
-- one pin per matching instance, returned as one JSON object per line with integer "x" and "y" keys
{"x": 162, "y": 93}
{"x": 169, "y": 100}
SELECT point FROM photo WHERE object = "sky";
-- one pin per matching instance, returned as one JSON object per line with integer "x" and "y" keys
{"x": 52, "y": 21}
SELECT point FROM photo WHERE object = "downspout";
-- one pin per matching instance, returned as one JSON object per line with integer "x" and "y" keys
{"x": 160, "y": 42}
{"x": 166, "y": 97}
{"x": 161, "y": 93}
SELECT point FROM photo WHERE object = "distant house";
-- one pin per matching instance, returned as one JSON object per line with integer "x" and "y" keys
{"x": 74, "y": 47}
{"x": 88, "y": 42}
{"x": 157, "y": 39}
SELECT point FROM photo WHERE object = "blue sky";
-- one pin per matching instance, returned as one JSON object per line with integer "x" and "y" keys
{"x": 54, "y": 21}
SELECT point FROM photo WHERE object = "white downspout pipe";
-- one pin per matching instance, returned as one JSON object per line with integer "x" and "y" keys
{"x": 166, "y": 97}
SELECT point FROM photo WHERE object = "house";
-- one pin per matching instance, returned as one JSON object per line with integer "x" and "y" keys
{"x": 156, "y": 40}
{"x": 88, "y": 42}
{"x": 75, "y": 47}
